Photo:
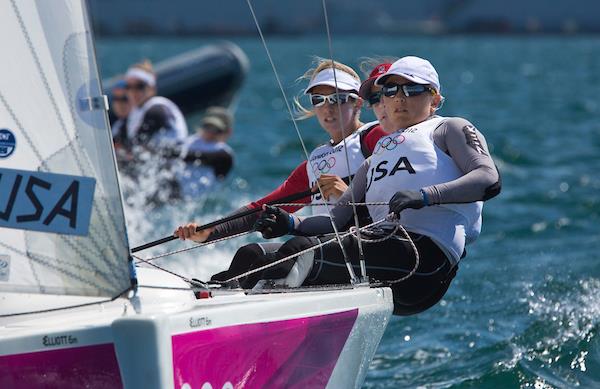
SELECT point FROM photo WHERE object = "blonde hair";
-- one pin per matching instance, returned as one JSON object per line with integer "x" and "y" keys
{"x": 320, "y": 64}
{"x": 145, "y": 65}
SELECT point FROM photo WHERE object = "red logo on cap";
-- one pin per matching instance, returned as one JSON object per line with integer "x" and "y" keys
{"x": 380, "y": 69}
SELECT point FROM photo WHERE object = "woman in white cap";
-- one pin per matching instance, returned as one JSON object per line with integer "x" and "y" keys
{"x": 154, "y": 120}
{"x": 326, "y": 163}
{"x": 433, "y": 171}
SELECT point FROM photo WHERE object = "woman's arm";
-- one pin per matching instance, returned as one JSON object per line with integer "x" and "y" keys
{"x": 321, "y": 224}
{"x": 296, "y": 182}
{"x": 459, "y": 139}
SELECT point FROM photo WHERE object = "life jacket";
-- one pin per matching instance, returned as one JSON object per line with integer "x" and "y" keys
{"x": 331, "y": 159}
{"x": 410, "y": 160}
{"x": 176, "y": 129}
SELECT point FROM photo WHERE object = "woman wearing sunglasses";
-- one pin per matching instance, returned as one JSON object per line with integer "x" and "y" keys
{"x": 153, "y": 119}
{"x": 338, "y": 113}
{"x": 371, "y": 93}
{"x": 120, "y": 107}
{"x": 434, "y": 172}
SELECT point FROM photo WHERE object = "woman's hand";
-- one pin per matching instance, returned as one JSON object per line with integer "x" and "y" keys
{"x": 188, "y": 231}
{"x": 273, "y": 222}
{"x": 331, "y": 185}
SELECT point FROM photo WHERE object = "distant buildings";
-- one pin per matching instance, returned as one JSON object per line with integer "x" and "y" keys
{"x": 229, "y": 17}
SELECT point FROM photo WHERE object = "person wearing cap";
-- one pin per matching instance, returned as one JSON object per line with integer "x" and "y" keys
{"x": 153, "y": 120}
{"x": 326, "y": 163}
{"x": 206, "y": 155}
{"x": 371, "y": 93}
{"x": 432, "y": 172}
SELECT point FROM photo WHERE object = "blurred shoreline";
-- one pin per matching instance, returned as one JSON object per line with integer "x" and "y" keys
{"x": 377, "y": 17}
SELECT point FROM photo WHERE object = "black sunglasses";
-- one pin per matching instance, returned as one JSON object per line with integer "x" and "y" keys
{"x": 374, "y": 98}
{"x": 122, "y": 99}
{"x": 137, "y": 86}
{"x": 408, "y": 90}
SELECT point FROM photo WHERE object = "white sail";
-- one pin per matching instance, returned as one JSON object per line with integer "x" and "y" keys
{"x": 62, "y": 228}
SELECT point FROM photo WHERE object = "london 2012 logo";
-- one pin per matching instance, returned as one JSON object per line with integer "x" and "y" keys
{"x": 324, "y": 166}
{"x": 8, "y": 143}
{"x": 388, "y": 143}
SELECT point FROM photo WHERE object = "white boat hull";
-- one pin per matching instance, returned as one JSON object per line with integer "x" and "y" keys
{"x": 315, "y": 339}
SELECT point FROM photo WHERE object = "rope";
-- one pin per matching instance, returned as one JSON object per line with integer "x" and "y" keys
{"x": 350, "y": 232}
{"x": 346, "y": 204}
{"x": 352, "y": 276}
{"x": 148, "y": 259}
{"x": 363, "y": 269}
{"x": 69, "y": 306}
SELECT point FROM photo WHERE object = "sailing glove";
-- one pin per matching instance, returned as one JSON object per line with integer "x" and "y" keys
{"x": 273, "y": 223}
{"x": 404, "y": 199}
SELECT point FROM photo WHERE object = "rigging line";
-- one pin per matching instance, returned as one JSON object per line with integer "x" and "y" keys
{"x": 141, "y": 260}
{"x": 147, "y": 260}
{"x": 193, "y": 282}
{"x": 320, "y": 203}
{"x": 363, "y": 269}
{"x": 264, "y": 42}
{"x": 399, "y": 226}
{"x": 297, "y": 254}
{"x": 70, "y": 306}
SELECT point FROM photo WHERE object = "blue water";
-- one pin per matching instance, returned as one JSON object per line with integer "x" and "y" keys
{"x": 524, "y": 309}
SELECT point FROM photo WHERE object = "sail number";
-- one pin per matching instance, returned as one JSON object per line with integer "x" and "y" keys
{"x": 46, "y": 202}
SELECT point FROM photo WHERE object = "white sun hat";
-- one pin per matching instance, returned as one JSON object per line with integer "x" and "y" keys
{"x": 345, "y": 81}
{"x": 415, "y": 69}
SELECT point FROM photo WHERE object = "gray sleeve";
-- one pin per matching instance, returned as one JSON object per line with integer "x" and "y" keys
{"x": 235, "y": 226}
{"x": 459, "y": 139}
{"x": 342, "y": 214}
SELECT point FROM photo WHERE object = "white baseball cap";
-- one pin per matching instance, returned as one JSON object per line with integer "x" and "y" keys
{"x": 415, "y": 69}
{"x": 345, "y": 81}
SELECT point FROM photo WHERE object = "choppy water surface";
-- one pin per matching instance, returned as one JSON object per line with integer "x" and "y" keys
{"x": 524, "y": 308}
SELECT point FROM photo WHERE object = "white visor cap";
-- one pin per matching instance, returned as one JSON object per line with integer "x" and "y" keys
{"x": 415, "y": 69}
{"x": 140, "y": 74}
{"x": 345, "y": 81}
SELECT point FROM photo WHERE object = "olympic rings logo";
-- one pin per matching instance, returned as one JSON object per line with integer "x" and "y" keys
{"x": 324, "y": 166}
{"x": 389, "y": 143}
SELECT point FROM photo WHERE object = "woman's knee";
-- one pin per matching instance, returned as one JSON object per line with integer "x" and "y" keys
{"x": 248, "y": 253}
{"x": 296, "y": 244}
{"x": 405, "y": 306}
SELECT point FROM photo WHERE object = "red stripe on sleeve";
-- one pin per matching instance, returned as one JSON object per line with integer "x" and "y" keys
{"x": 296, "y": 182}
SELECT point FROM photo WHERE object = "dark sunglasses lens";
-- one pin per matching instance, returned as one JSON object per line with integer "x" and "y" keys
{"x": 374, "y": 98}
{"x": 140, "y": 86}
{"x": 414, "y": 89}
{"x": 316, "y": 100}
{"x": 121, "y": 99}
{"x": 390, "y": 90}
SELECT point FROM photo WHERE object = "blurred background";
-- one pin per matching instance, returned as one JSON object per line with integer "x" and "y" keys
{"x": 524, "y": 309}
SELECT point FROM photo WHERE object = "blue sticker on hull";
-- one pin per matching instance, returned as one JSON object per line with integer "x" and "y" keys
{"x": 46, "y": 202}
{"x": 8, "y": 143}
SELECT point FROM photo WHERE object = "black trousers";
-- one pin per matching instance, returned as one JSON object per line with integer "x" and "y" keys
{"x": 386, "y": 261}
